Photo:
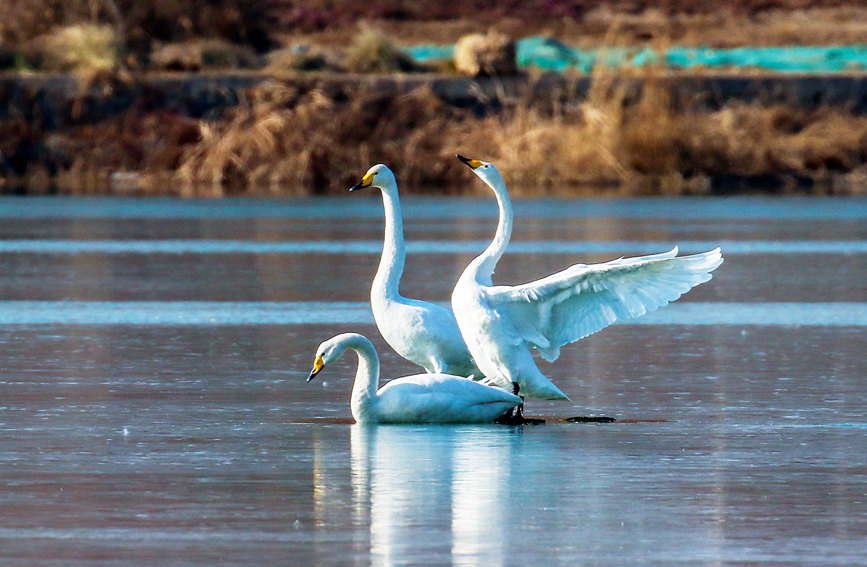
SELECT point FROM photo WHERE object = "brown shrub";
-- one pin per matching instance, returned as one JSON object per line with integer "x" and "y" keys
{"x": 316, "y": 140}
{"x": 626, "y": 141}
{"x": 318, "y": 136}
{"x": 244, "y": 22}
{"x": 300, "y": 58}
{"x": 204, "y": 54}
{"x": 372, "y": 51}
{"x": 23, "y": 20}
{"x": 142, "y": 22}
{"x": 485, "y": 54}
{"x": 613, "y": 137}
{"x": 80, "y": 47}
{"x": 642, "y": 143}
{"x": 86, "y": 156}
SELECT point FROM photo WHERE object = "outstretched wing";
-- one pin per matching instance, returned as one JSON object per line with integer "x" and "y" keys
{"x": 582, "y": 299}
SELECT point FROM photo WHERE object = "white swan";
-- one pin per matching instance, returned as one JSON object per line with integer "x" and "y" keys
{"x": 422, "y": 398}
{"x": 421, "y": 332}
{"x": 501, "y": 323}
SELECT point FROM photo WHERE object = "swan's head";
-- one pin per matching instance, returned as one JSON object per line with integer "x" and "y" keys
{"x": 485, "y": 170}
{"x": 377, "y": 176}
{"x": 332, "y": 349}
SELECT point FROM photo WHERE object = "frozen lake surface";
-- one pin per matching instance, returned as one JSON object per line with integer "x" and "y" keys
{"x": 154, "y": 410}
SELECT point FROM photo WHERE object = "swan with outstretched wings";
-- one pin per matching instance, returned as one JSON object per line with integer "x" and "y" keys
{"x": 501, "y": 324}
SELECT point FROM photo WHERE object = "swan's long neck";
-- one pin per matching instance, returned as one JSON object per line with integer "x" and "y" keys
{"x": 366, "y": 379}
{"x": 486, "y": 262}
{"x": 387, "y": 279}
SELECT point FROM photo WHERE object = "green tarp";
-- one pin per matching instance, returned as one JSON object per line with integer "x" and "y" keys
{"x": 552, "y": 55}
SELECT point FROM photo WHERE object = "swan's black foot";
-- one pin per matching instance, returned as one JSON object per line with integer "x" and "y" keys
{"x": 590, "y": 419}
{"x": 515, "y": 416}
{"x": 509, "y": 418}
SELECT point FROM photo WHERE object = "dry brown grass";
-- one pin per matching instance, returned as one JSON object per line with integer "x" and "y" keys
{"x": 372, "y": 51}
{"x": 615, "y": 140}
{"x": 315, "y": 141}
{"x": 22, "y": 20}
{"x": 302, "y": 58}
{"x": 644, "y": 144}
{"x": 204, "y": 54}
{"x": 726, "y": 26}
{"x": 86, "y": 158}
{"x": 318, "y": 137}
{"x": 714, "y": 24}
{"x": 77, "y": 48}
{"x": 751, "y": 140}
{"x": 138, "y": 25}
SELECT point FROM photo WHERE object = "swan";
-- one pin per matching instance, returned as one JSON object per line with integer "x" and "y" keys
{"x": 500, "y": 324}
{"x": 421, "y": 332}
{"x": 421, "y": 398}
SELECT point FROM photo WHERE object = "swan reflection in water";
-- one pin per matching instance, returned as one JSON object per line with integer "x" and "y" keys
{"x": 493, "y": 495}
{"x": 433, "y": 491}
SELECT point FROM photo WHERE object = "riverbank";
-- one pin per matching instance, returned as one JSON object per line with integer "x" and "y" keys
{"x": 632, "y": 132}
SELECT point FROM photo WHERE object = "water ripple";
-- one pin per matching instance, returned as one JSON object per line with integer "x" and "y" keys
{"x": 342, "y": 207}
{"x": 205, "y": 313}
{"x": 424, "y": 247}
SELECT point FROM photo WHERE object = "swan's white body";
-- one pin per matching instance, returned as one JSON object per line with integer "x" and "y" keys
{"x": 421, "y": 332}
{"x": 422, "y": 398}
{"x": 500, "y": 324}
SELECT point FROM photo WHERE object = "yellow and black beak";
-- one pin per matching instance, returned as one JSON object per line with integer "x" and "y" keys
{"x": 472, "y": 163}
{"x": 318, "y": 364}
{"x": 366, "y": 181}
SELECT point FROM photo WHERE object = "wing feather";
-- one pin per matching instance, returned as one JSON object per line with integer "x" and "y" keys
{"x": 583, "y": 299}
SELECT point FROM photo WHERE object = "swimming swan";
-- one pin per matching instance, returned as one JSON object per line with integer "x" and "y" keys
{"x": 422, "y": 398}
{"x": 501, "y": 323}
{"x": 421, "y": 332}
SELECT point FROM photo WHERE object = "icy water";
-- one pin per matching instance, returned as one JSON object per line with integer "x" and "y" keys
{"x": 154, "y": 410}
